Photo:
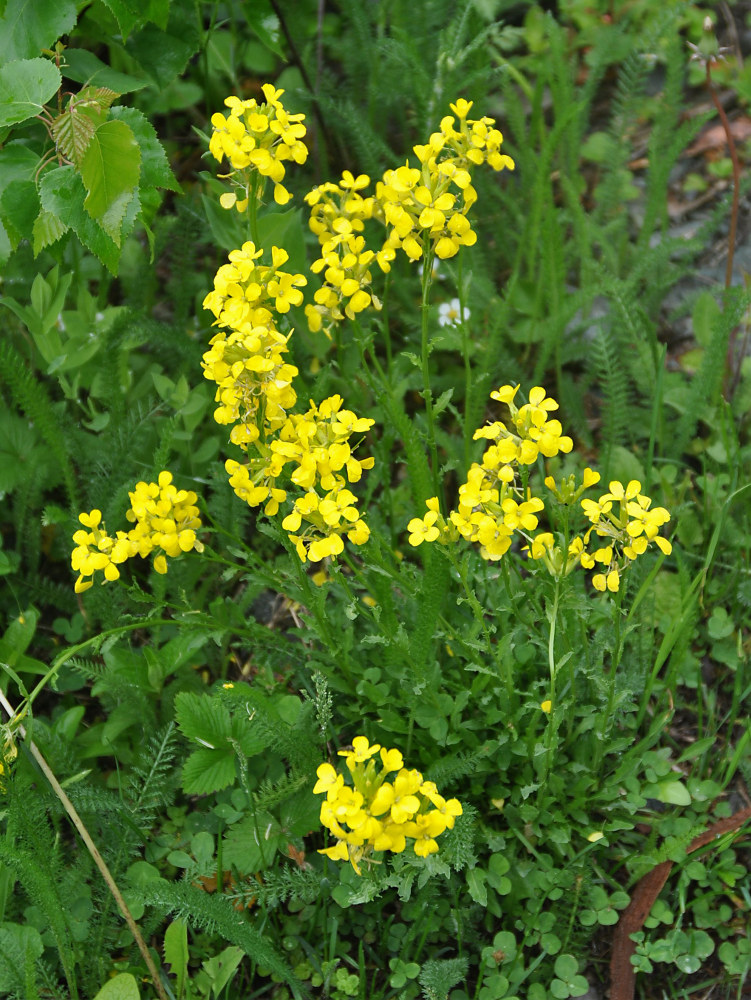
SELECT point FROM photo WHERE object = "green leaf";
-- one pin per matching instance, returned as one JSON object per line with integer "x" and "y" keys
{"x": 476, "y": 878}
{"x": 130, "y": 14}
{"x": 63, "y": 195}
{"x": 47, "y": 230}
{"x": 19, "y": 207}
{"x": 155, "y": 168}
{"x": 84, "y": 67}
{"x": 176, "y": 952}
{"x": 19, "y": 948}
{"x": 123, "y": 986}
{"x": 669, "y": 790}
{"x": 165, "y": 54}
{"x": 28, "y": 26}
{"x": 203, "y": 719}
{"x": 72, "y": 133}
{"x": 252, "y": 844}
{"x": 17, "y": 636}
{"x": 208, "y": 771}
{"x": 222, "y": 967}
{"x": 262, "y": 21}
{"x": 25, "y": 87}
{"x": 110, "y": 170}
{"x": 17, "y": 163}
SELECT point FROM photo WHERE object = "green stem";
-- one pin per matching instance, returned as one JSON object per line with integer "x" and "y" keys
{"x": 552, "y": 727}
{"x": 466, "y": 343}
{"x": 427, "y": 394}
{"x": 256, "y": 189}
{"x": 606, "y": 718}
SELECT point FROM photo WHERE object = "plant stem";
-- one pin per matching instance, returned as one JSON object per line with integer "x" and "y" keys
{"x": 253, "y": 210}
{"x": 93, "y": 851}
{"x": 427, "y": 278}
{"x": 466, "y": 344}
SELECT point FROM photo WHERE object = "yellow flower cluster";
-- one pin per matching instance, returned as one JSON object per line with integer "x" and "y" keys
{"x": 316, "y": 446}
{"x": 423, "y": 208}
{"x": 428, "y": 206}
{"x": 247, "y": 361}
{"x": 338, "y": 216}
{"x": 625, "y": 518}
{"x": 374, "y": 814}
{"x": 254, "y": 382}
{"x": 165, "y": 521}
{"x": 495, "y": 502}
{"x": 257, "y": 138}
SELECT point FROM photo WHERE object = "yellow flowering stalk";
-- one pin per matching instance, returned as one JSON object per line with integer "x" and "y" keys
{"x": 254, "y": 382}
{"x": 429, "y": 205}
{"x": 374, "y": 814}
{"x": 338, "y": 216}
{"x": 625, "y": 518}
{"x": 165, "y": 522}
{"x": 257, "y": 138}
{"x": 493, "y": 503}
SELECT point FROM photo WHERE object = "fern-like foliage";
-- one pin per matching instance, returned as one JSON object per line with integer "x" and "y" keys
{"x": 613, "y": 381}
{"x": 216, "y": 915}
{"x": 278, "y": 887}
{"x": 458, "y": 846}
{"x": 272, "y": 793}
{"x": 31, "y": 397}
{"x": 439, "y": 976}
{"x": 147, "y": 789}
{"x": 42, "y": 889}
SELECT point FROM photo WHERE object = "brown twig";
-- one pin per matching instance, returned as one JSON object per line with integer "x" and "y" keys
{"x": 736, "y": 174}
{"x": 622, "y": 973}
{"x": 93, "y": 851}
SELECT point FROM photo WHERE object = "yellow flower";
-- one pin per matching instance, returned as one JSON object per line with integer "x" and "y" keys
{"x": 377, "y": 815}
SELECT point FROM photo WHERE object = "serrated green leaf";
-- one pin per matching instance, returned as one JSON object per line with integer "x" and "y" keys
{"x": 155, "y": 168}
{"x": 25, "y": 87}
{"x": 203, "y": 719}
{"x": 129, "y": 14}
{"x": 63, "y": 194}
{"x": 110, "y": 170}
{"x": 84, "y": 67}
{"x": 28, "y": 26}
{"x": 123, "y": 986}
{"x": 72, "y": 133}
{"x": 207, "y": 771}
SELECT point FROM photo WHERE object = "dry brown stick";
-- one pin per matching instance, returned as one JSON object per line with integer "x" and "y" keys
{"x": 93, "y": 851}
{"x": 736, "y": 176}
{"x": 622, "y": 974}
